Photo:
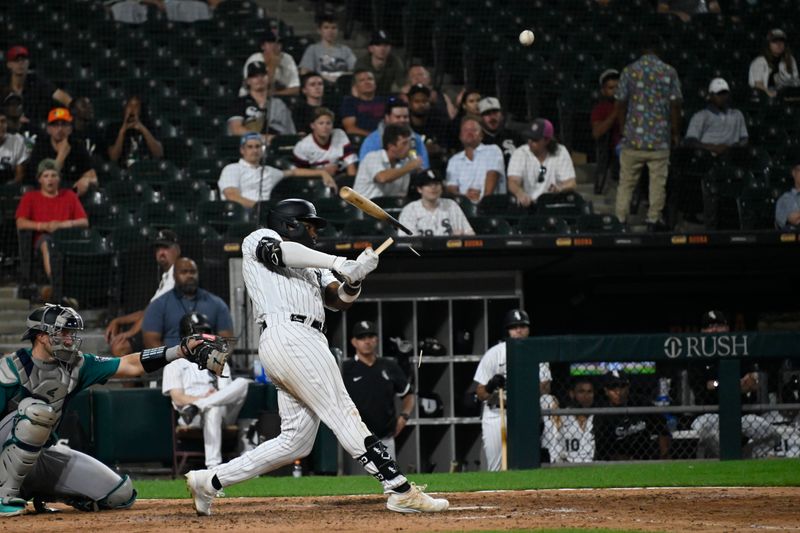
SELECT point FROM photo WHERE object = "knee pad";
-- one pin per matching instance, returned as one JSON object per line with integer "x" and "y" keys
{"x": 377, "y": 461}
{"x": 121, "y": 497}
{"x": 30, "y": 431}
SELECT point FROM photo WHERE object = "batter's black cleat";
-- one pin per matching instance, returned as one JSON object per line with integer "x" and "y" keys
{"x": 188, "y": 412}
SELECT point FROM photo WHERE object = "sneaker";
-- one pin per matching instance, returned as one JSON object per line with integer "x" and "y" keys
{"x": 188, "y": 412}
{"x": 203, "y": 492}
{"x": 11, "y": 506}
{"x": 415, "y": 501}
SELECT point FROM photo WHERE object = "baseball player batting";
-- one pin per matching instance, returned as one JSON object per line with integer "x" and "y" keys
{"x": 35, "y": 386}
{"x": 290, "y": 284}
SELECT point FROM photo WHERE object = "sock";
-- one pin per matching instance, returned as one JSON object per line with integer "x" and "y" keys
{"x": 215, "y": 482}
{"x": 402, "y": 489}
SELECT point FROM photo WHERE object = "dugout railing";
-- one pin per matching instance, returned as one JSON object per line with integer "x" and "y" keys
{"x": 733, "y": 353}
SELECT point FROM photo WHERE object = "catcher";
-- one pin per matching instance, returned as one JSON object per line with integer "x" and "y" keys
{"x": 35, "y": 386}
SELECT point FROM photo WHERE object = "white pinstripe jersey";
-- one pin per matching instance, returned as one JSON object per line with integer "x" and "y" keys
{"x": 446, "y": 219}
{"x": 282, "y": 290}
{"x": 308, "y": 154}
{"x": 576, "y": 442}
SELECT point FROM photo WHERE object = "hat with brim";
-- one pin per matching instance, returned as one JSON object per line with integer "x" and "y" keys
{"x": 364, "y": 328}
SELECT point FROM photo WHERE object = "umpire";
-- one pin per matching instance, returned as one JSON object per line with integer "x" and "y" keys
{"x": 373, "y": 382}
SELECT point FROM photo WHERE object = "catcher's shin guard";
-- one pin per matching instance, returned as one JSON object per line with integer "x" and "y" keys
{"x": 378, "y": 462}
{"x": 31, "y": 430}
{"x": 121, "y": 497}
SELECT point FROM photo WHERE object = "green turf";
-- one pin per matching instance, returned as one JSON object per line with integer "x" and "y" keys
{"x": 755, "y": 473}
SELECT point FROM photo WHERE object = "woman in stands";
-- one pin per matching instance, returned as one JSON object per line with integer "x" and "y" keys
{"x": 775, "y": 70}
{"x": 467, "y": 102}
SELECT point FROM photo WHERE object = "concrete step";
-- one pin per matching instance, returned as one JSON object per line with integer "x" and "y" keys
{"x": 16, "y": 304}
{"x": 8, "y": 292}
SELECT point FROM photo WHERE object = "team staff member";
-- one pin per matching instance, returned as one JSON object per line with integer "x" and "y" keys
{"x": 291, "y": 285}
{"x": 491, "y": 375}
{"x": 36, "y": 385}
{"x": 373, "y": 382}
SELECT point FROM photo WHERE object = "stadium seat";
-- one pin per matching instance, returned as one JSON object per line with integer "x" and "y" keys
{"x": 490, "y": 226}
{"x": 567, "y": 205}
{"x": 227, "y": 148}
{"x": 204, "y": 128}
{"x": 82, "y": 265}
{"x": 367, "y": 227}
{"x": 195, "y": 232}
{"x": 123, "y": 238}
{"x": 598, "y": 224}
{"x": 466, "y": 205}
{"x": 538, "y": 224}
{"x": 283, "y": 145}
{"x": 500, "y": 205}
{"x": 237, "y": 231}
{"x": 154, "y": 171}
{"x": 181, "y": 150}
{"x": 221, "y": 214}
{"x": 306, "y": 188}
{"x": 187, "y": 193}
{"x": 111, "y": 217}
{"x": 336, "y": 211}
{"x": 391, "y": 204}
{"x": 757, "y": 208}
{"x": 206, "y": 170}
{"x": 106, "y": 170}
{"x": 163, "y": 215}
{"x": 130, "y": 194}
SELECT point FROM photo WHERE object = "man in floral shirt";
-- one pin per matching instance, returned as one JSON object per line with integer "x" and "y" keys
{"x": 648, "y": 101}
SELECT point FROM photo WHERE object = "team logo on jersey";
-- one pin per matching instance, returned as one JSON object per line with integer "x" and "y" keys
{"x": 706, "y": 346}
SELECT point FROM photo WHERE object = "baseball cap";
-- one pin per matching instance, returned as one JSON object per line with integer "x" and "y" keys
{"x": 718, "y": 85}
{"x": 541, "y": 128}
{"x": 363, "y": 328}
{"x": 379, "y": 37}
{"x": 490, "y": 103}
{"x": 15, "y": 52}
{"x": 776, "y": 34}
{"x": 165, "y": 237}
{"x": 250, "y": 137}
{"x": 45, "y": 165}
{"x": 59, "y": 114}
{"x": 427, "y": 176}
{"x": 608, "y": 73}
{"x": 713, "y": 318}
{"x": 418, "y": 88}
{"x": 270, "y": 37}
{"x": 615, "y": 378}
{"x": 256, "y": 68}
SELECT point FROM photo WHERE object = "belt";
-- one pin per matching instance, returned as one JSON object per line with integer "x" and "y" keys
{"x": 303, "y": 319}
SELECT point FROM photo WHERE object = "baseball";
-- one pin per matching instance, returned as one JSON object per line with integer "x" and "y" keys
{"x": 526, "y": 38}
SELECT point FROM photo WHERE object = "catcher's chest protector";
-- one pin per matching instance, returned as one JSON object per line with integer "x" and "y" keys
{"x": 48, "y": 381}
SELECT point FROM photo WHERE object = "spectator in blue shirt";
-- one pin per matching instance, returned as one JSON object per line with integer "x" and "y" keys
{"x": 396, "y": 113}
{"x": 787, "y": 209}
{"x": 162, "y": 317}
{"x": 362, "y": 111}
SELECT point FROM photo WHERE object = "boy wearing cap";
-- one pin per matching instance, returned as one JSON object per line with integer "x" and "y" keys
{"x": 494, "y": 128}
{"x": 331, "y": 60}
{"x": 281, "y": 68}
{"x": 775, "y": 69}
{"x": 13, "y": 152}
{"x": 124, "y": 333}
{"x": 257, "y": 111}
{"x": 37, "y": 92}
{"x": 48, "y": 210}
{"x": 717, "y": 127}
{"x": 373, "y": 383}
{"x": 73, "y": 162}
{"x": 387, "y": 67}
{"x": 787, "y": 208}
{"x": 432, "y": 215}
{"x": 541, "y": 166}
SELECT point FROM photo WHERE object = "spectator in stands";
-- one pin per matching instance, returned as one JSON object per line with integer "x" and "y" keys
{"x": 785, "y": 422}
{"x": 604, "y": 117}
{"x": 48, "y": 210}
{"x": 478, "y": 170}
{"x": 426, "y": 120}
{"x": 576, "y": 432}
{"x": 331, "y": 60}
{"x": 775, "y": 69}
{"x": 387, "y": 67}
{"x": 684, "y": 9}
{"x": 626, "y": 437}
{"x": 135, "y": 11}
{"x": 281, "y": 68}
{"x": 257, "y": 111}
{"x": 38, "y": 94}
{"x": 17, "y": 123}
{"x": 787, "y": 208}
{"x": 84, "y": 127}
{"x": 133, "y": 138}
{"x": 541, "y": 166}
{"x": 313, "y": 89}
{"x": 327, "y": 148}
{"x": 432, "y": 215}
{"x": 467, "y": 104}
{"x": 74, "y": 162}
{"x": 717, "y": 127}
{"x": 202, "y": 398}
{"x": 388, "y": 172}
{"x": 248, "y": 181}
{"x": 363, "y": 110}
{"x": 494, "y": 127}
{"x": 397, "y": 114}
{"x": 124, "y": 333}
{"x": 12, "y": 153}
{"x": 162, "y": 318}
{"x": 419, "y": 75}
{"x": 648, "y": 104}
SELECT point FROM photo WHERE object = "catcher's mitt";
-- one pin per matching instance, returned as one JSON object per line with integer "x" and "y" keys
{"x": 211, "y": 353}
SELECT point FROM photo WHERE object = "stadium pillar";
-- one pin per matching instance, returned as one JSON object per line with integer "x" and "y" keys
{"x": 524, "y": 412}
{"x": 730, "y": 410}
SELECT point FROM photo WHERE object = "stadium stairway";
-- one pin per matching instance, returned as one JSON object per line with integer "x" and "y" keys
{"x": 13, "y": 314}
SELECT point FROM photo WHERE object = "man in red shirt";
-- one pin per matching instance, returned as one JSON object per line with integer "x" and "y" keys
{"x": 49, "y": 209}
{"x": 605, "y": 126}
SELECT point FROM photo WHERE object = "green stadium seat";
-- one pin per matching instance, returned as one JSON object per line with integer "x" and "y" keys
{"x": 367, "y": 227}
{"x": 567, "y": 205}
{"x": 112, "y": 217}
{"x": 467, "y": 206}
{"x": 122, "y": 238}
{"x": 187, "y": 193}
{"x": 391, "y": 204}
{"x": 154, "y": 171}
{"x": 204, "y": 127}
{"x": 163, "y": 215}
{"x": 106, "y": 171}
{"x": 82, "y": 265}
{"x": 181, "y": 150}
{"x": 500, "y": 205}
{"x": 538, "y": 224}
{"x": 227, "y": 148}
{"x": 206, "y": 169}
{"x": 306, "y": 188}
{"x": 598, "y": 224}
{"x": 490, "y": 226}
{"x": 336, "y": 211}
{"x": 130, "y": 194}
{"x": 283, "y": 145}
{"x": 188, "y": 233}
{"x": 237, "y": 231}
{"x": 221, "y": 214}
{"x": 756, "y": 208}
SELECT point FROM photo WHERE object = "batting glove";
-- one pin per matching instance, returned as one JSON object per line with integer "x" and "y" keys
{"x": 369, "y": 259}
{"x": 352, "y": 272}
{"x": 497, "y": 381}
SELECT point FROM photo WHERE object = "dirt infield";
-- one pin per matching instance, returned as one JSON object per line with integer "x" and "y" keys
{"x": 715, "y": 509}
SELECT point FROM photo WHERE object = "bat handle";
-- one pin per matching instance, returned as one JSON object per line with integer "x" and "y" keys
{"x": 384, "y": 245}
{"x": 503, "y": 435}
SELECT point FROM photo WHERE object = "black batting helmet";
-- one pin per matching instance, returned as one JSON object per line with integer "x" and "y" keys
{"x": 287, "y": 217}
{"x": 516, "y": 317}
{"x": 194, "y": 322}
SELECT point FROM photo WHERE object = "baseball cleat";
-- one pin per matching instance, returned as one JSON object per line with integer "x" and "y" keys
{"x": 12, "y": 506}
{"x": 203, "y": 492}
{"x": 415, "y": 501}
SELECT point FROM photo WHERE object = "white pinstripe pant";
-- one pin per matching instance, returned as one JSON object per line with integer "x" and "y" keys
{"x": 297, "y": 359}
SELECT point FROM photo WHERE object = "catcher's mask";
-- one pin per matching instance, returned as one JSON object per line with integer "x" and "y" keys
{"x": 287, "y": 217}
{"x": 62, "y": 324}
